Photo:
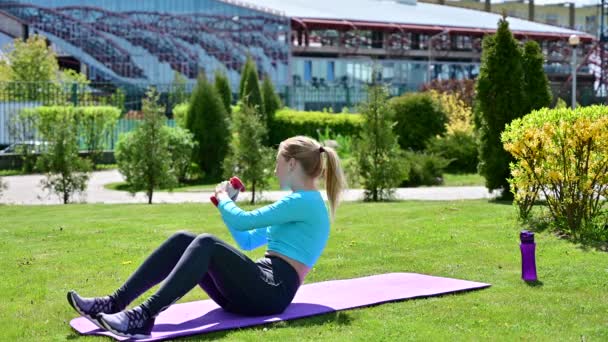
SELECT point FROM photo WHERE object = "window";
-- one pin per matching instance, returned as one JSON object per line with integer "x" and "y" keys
{"x": 331, "y": 68}
{"x": 552, "y": 19}
{"x": 591, "y": 24}
{"x": 307, "y": 70}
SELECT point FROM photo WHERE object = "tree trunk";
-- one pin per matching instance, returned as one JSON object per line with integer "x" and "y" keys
{"x": 150, "y": 193}
{"x": 66, "y": 193}
{"x": 253, "y": 193}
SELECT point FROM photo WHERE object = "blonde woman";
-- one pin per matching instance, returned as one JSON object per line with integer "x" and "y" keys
{"x": 295, "y": 228}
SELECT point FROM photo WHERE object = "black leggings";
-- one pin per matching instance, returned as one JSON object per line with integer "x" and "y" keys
{"x": 229, "y": 277}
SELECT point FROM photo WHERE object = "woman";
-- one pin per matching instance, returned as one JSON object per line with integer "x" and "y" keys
{"x": 296, "y": 229}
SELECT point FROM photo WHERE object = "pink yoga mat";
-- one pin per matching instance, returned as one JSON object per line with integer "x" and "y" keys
{"x": 312, "y": 299}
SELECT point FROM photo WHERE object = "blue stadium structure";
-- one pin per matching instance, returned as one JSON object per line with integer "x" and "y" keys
{"x": 148, "y": 41}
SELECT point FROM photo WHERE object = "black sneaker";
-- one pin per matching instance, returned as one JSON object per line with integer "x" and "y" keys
{"x": 134, "y": 323}
{"x": 91, "y": 307}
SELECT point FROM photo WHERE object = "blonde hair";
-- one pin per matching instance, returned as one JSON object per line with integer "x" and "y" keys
{"x": 309, "y": 153}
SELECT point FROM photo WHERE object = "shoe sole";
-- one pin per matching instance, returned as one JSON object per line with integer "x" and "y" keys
{"x": 87, "y": 316}
{"x": 121, "y": 334}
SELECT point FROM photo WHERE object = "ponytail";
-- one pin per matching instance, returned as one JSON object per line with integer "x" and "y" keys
{"x": 335, "y": 181}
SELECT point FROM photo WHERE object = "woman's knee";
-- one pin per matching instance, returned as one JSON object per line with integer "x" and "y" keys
{"x": 206, "y": 239}
{"x": 183, "y": 237}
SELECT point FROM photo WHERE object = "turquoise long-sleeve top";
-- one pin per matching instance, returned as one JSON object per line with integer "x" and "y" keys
{"x": 297, "y": 225}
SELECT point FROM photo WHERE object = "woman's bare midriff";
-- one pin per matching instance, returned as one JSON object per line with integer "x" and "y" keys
{"x": 298, "y": 266}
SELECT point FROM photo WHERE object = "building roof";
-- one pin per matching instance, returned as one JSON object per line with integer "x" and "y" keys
{"x": 402, "y": 13}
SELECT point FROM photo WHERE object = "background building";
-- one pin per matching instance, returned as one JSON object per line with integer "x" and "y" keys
{"x": 318, "y": 53}
{"x": 586, "y": 18}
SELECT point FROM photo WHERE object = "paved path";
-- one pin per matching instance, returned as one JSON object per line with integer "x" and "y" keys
{"x": 26, "y": 190}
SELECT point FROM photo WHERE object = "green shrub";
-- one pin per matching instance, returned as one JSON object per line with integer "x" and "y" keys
{"x": 343, "y": 144}
{"x": 92, "y": 126}
{"x": 344, "y": 147}
{"x": 248, "y": 158}
{"x": 561, "y": 154}
{"x": 180, "y": 144}
{"x": 377, "y": 153}
{"x": 459, "y": 144}
{"x": 419, "y": 117}
{"x": 21, "y": 127}
{"x": 3, "y": 186}
{"x": 424, "y": 169}
{"x": 464, "y": 90}
{"x": 459, "y": 148}
{"x": 143, "y": 155}
{"x": 177, "y": 93}
{"x": 180, "y": 114}
{"x": 66, "y": 173}
{"x": 96, "y": 123}
{"x": 290, "y": 123}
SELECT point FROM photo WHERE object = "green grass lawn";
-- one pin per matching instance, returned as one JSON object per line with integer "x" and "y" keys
{"x": 47, "y": 250}
{"x": 466, "y": 179}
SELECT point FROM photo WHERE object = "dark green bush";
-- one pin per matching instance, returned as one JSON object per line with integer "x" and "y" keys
{"x": 425, "y": 169}
{"x": 460, "y": 148}
{"x": 419, "y": 118}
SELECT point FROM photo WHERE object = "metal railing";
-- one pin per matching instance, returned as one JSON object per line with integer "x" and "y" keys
{"x": 16, "y": 96}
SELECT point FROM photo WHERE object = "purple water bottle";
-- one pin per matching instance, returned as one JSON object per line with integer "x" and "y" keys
{"x": 528, "y": 259}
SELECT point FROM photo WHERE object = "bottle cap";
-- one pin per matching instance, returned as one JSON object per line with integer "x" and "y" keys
{"x": 526, "y": 236}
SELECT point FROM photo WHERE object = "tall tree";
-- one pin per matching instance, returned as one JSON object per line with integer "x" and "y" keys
{"x": 536, "y": 85}
{"x": 271, "y": 100}
{"x": 251, "y": 94}
{"x": 244, "y": 72}
{"x": 32, "y": 61}
{"x": 178, "y": 93}
{"x": 500, "y": 99}
{"x": 222, "y": 85}
{"x": 207, "y": 120}
{"x": 28, "y": 62}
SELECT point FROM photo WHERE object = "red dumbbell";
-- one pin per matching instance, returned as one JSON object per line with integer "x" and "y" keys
{"x": 236, "y": 184}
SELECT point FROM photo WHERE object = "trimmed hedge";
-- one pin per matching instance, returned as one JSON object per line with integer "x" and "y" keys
{"x": 289, "y": 123}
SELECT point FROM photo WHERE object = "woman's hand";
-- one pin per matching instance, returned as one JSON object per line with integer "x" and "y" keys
{"x": 221, "y": 190}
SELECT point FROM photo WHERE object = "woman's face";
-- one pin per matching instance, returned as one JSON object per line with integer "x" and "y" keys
{"x": 282, "y": 172}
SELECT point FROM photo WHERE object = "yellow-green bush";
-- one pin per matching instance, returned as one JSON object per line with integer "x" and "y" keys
{"x": 563, "y": 155}
{"x": 180, "y": 114}
{"x": 459, "y": 143}
{"x": 459, "y": 114}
